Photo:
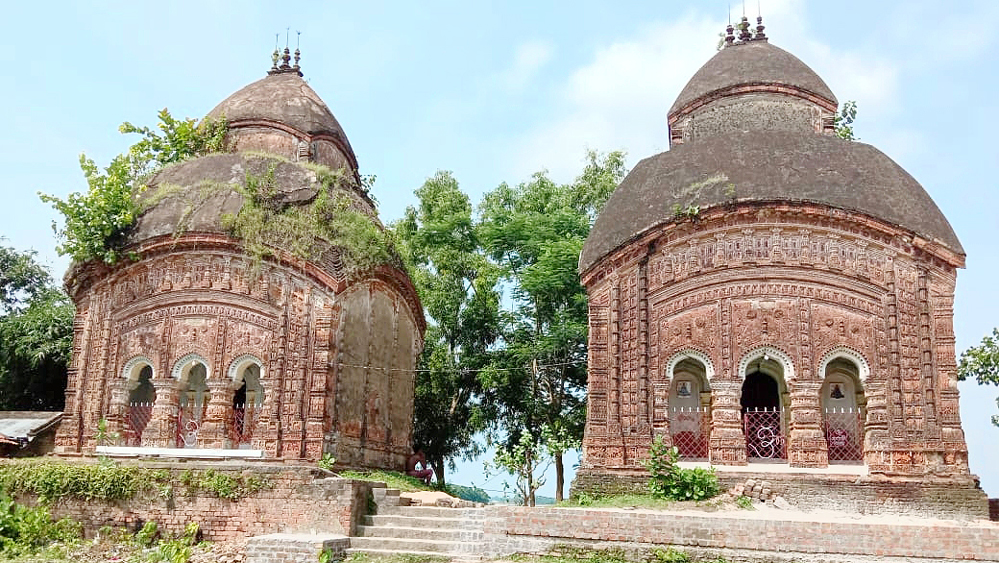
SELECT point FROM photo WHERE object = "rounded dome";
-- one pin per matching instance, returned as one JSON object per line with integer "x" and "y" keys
{"x": 765, "y": 166}
{"x": 751, "y": 63}
{"x": 287, "y": 99}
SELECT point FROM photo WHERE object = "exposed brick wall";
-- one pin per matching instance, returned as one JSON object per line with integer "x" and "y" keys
{"x": 943, "y": 498}
{"x": 994, "y": 509}
{"x": 535, "y": 528}
{"x": 295, "y": 501}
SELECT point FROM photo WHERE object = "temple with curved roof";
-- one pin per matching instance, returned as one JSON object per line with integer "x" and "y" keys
{"x": 265, "y": 316}
{"x": 776, "y": 301}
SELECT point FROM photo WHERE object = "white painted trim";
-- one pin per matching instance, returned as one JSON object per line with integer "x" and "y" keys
{"x": 863, "y": 368}
{"x": 134, "y": 367}
{"x": 783, "y": 359}
{"x": 240, "y": 363}
{"x": 188, "y": 361}
{"x": 709, "y": 368}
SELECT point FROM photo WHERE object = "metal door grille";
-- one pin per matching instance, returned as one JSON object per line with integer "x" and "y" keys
{"x": 844, "y": 434}
{"x": 689, "y": 428}
{"x": 244, "y": 420}
{"x": 764, "y": 433}
{"x": 136, "y": 420}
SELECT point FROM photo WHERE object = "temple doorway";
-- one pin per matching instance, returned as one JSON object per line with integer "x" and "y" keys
{"x": 762, "y": 412}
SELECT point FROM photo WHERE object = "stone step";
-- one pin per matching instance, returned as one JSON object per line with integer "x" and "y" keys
{"x": 460, "y": 558}
{"x": 401, "y": 545}
{"x": 441, "y": 512}
{"x": 426, "y": 533}
{"x": 430, "y": 522}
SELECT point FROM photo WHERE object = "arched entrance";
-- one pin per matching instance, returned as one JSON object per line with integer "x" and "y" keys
{"x": 192, "y": 372}
{"x": 762, "y": 409}
{"x": 843, "y": 408}
{"x": 247, "y": 400}
{"x": 141, "y": 397}
{"x": 689, "y": 405}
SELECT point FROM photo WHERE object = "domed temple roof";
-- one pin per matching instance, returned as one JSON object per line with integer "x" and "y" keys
{"x": 751, "y": 62}
{"x": 758, "y": 128}
{"x": 285, "y": 98}
{"x": 765, "y": 166}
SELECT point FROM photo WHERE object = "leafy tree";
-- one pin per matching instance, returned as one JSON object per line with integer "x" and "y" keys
{"x": 534, "y": 232}
{"x": 843, "y": 121}
{"x": 457, "y": 286}
{"x": 36, "y": 335}
{"x": 982, "y": 363}
{"x": 96, "y": 221}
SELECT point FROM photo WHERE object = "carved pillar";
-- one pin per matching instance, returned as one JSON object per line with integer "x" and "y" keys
{"x": 217, "y": 415}
{"x": 118, "y": 407}
{"x": 162, "y": 428}
{"x": 806, "y": 445}
{"x": 727, "y": 442}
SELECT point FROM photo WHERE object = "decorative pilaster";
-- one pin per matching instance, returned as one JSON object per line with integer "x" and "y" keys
{"x": 162, "y": 428}
{"x": 727, "y": 442}
{"x": 806, "y": 445}
{"x": 218, "y": 414}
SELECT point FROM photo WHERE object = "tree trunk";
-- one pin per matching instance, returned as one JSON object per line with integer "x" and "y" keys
{"x": 559, "y": 477}
{"x": 438, "y": 466}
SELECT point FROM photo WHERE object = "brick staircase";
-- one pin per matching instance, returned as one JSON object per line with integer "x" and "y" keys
{"x": 455, "y": 533}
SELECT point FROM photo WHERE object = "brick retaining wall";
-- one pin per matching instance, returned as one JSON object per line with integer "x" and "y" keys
{"x": 294, "y": 501}
{"x": 932, "y": 498}
{"x": 534, "y": 528}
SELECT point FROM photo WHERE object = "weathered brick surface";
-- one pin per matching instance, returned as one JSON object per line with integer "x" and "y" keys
{"x": 994, "y": 509}
{"x": 294, "y": 548}
{"x": 940, "y": 498}
{"x": 511, "y": 529}
{"x": 295, "y": 501}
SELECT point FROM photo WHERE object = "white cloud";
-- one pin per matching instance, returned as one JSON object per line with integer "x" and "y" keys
{"x": 619, "y": 99}
{"x": 529, "y": 58}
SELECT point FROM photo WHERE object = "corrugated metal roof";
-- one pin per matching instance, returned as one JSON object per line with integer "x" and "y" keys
{"x": 26, "y": 424}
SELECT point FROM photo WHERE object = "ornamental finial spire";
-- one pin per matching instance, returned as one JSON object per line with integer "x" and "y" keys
{"x": 285, "y": 57}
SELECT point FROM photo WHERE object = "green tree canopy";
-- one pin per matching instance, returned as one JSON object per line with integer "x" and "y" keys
{"x": 982, "y": 363}
{"x": 36, "y": 335}
{"x": 457, "y": 286}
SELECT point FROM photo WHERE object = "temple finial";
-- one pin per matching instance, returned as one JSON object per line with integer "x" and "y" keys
{"x": 285, "y": 56}
{"x": 729, "y": 35}
{"x": 744, "y": 34}
{"x": 760, "y": 36}
{"x": 298, "y": 53}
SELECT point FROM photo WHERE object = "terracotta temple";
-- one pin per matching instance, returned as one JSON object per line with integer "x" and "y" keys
{"x": 767, "y": 291}
{"x": 201, "y": 344}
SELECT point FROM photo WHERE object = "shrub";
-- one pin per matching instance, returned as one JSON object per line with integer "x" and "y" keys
{"x": 25, "y": 529}
{"x": 668, "y": 481}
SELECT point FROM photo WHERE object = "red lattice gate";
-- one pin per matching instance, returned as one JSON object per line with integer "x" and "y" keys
{"x": 689, "y": 428}
{"x": 188, "y": 425}
{"x": 845, "y": 435}
{"x": 764, "y": 433}
{"x": 244, "y": 419}
{"x": 136, "y": 420}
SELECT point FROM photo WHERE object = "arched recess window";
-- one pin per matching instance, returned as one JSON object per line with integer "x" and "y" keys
{"x": 192, "y": 373}
{"x": 141, "y": 397}
{"x": 689, "y": 404}
{"x": 247, "y": 399}
{"x": 844, "y": 406}
{"x": 765, "y": 372}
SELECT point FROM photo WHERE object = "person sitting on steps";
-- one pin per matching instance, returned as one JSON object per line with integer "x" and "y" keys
{"x": 419, "y": 459}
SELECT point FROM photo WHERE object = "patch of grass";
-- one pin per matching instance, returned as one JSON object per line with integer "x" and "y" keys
{"x": 395, "y": 558}
{"x": 392, "y": 479}
{"x": 620, "y": 501}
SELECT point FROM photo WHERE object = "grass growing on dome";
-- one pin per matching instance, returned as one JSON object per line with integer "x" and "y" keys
{"x": 335, "y": 221}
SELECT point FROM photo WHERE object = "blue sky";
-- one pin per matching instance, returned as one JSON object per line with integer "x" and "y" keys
{"x": 497, "y": 90}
